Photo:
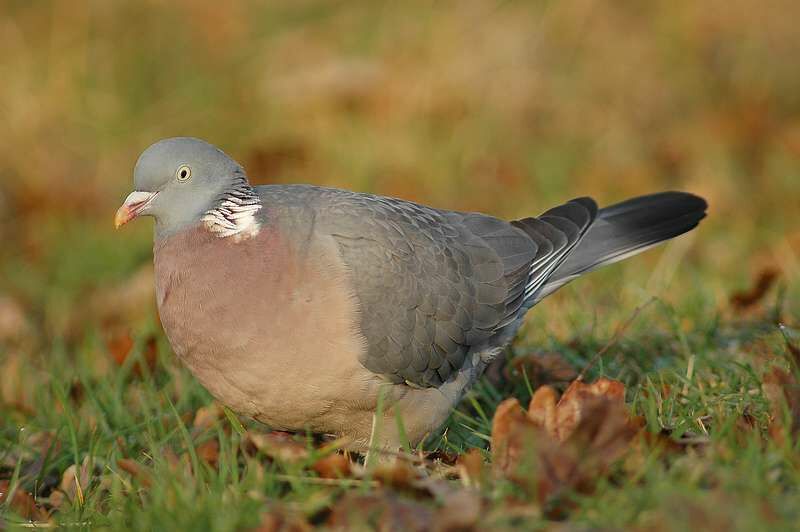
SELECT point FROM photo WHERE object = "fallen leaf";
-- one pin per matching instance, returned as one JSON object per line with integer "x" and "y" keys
{"x": 280, "y": 520}
{"x": 509, "y": 420}
{"x": 120, "y": 345}
{"x": 136, "y": 470}
{"x": 280, "y": 446}
{"x": 208, "y": 452}
{"x": 460, "y": 510}
{"x": 558, "y": 447}
{"x": 14, "y": 324}
{"x": 74, "y": 483}
{"x": 22, "y": 503}
{"x": 398, "y": 474}
{"x": 541, "y": 368}
{"x": 542, "y": 409}
{"x": 783, "y": 393}
{"x": 207, "y": 416}
{"x": 471, "y": 468}
{"x": 14, "y": 391}
{"x": 379, "y": 510}
{"x": 747, "y": 299}
{"x": 578, "y": 398}
{"x": 335, "y": 465}
{"x": 76, "y": 392}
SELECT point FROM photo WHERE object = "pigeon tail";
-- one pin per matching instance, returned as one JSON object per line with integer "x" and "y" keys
{"x": 626, "y": 229}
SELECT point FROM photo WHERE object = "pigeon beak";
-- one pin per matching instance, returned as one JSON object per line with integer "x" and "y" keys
{"x": 132, "y": 206}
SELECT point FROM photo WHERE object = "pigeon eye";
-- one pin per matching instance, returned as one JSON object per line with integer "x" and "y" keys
{"x": 183, "y": 173}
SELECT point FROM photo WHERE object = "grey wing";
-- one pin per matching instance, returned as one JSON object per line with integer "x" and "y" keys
{"x": 434, "y": 285}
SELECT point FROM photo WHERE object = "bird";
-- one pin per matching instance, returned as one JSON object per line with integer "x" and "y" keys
{"x": 355, "y": 315}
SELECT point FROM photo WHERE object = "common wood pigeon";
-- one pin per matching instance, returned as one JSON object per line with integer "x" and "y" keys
{"x": 301, "y": 306}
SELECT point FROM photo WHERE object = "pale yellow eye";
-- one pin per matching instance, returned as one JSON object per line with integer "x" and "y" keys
{"x": 183, "y": 173}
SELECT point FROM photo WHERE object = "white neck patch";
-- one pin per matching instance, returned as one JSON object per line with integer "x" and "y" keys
{"x": 235, "y": 213}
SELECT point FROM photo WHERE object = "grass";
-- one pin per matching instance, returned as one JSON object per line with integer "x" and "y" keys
{"x": 504, "y": 107}
{"x": 736, "y": 478}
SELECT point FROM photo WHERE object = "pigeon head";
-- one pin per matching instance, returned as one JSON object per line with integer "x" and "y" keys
{"x": 178, "y": 181}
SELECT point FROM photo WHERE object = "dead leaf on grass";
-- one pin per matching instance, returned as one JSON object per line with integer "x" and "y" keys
{"x": 783, "y": 393}
{"x": 206, "y": 417}
{"x": 471, "y": 468}
{"x": 22, "y": 503}
{"x": 280, "y": 446}
{"x": 379, "y": 510}
{"x": 336, "y": 465}
{"x": 76, "y": 481}
{"x": 398, "y": 474}
{"x": 281, "y": 520}
{"x": 14, "y": 325}
{"x": 782, "y": 389}
{"x": 557, "y": 447}
{"x": 121, "y": 344}
{"x": 541, "y": 368}
{"x": 761, "y": 285}
{"x": 578, "y": 401}
{"x": 137, "y": 470}
{"x": 460, "y": 510}
{"x": 511, "y": 430}
{"x": 208, "y": 452}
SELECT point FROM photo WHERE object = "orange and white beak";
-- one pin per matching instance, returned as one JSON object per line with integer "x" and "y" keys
{"x": 132, "y": 206}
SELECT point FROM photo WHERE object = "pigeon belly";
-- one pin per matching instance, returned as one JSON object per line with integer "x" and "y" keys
{"x": 268, "y": 327}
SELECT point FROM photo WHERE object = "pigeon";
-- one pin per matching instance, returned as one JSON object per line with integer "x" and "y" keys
{"x": 350, "y": 314}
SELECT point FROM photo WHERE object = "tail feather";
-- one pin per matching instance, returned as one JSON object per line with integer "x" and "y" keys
{"x": 628, "y": 228}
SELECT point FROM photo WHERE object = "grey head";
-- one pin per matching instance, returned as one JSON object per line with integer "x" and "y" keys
{"x": 177, "y": 181}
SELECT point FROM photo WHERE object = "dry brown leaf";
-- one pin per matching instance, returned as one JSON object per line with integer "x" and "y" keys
{"x": 75, "y": 481}
{"x": 22, "y": 503}
{"x": 541, "y": 368}
{"x": 120, "y": 345}
{"x": 136, "y": 470}
{"x": 281, "y": 520}
{"x": 335, "y": 465}
{"x": 511, "y": 427}
{"x": 14, "y": 391}
{"x": 398, "y": 474}
{"x": 14, "y": 324}
{"x": 461, "y": 510}
{"x": 208, "y": 452}
{"x": 576, "y": 399}
{"x": 561, "y": 446}
{"x": 542, "y": 409}
{"x": 207, "y": 416}
{"x": 761, "y": 285}
{"x": 783, "y": 393}
{"x": 471, "y": 468}
{"x": 280, "y": 446}
{"x": 379, "y": 510}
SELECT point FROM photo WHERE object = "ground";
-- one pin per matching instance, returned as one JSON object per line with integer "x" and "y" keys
{"x": 503, "y": 107}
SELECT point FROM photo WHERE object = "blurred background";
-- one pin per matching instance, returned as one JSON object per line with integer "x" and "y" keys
{"x": 506, "y": 107}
